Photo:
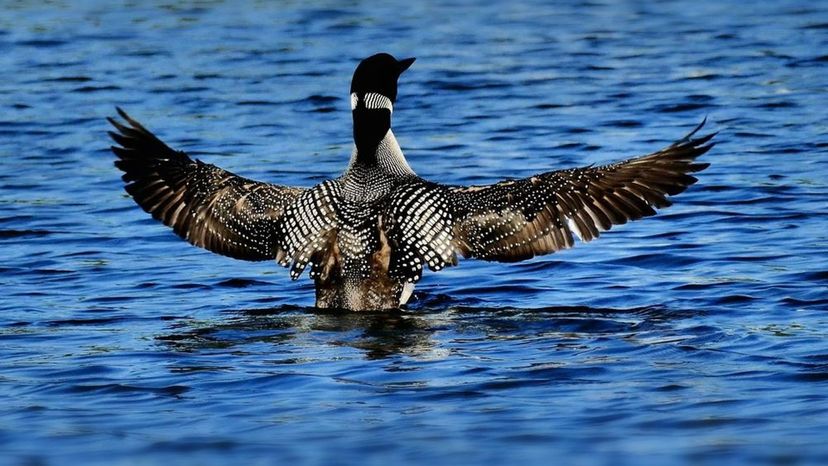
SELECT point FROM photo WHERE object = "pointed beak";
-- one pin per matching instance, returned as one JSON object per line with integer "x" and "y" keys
{"x": 403, "y": 64}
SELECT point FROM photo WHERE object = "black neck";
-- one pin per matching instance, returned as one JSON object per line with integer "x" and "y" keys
{"x": 370, "y": 126}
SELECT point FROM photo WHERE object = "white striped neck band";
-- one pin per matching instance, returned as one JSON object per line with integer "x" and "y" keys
{"x": 372, "y": 101}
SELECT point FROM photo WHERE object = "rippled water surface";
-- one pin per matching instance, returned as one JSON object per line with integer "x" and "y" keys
{"x": 695, "y": 337}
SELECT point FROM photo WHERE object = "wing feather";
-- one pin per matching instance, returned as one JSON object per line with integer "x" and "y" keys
{"x": 518, "y": 219}
{"x": 204, "y": 204}
{"x": 515, "y": 220}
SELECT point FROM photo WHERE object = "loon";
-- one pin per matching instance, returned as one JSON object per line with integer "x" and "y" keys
{"x": 368, "y": 235}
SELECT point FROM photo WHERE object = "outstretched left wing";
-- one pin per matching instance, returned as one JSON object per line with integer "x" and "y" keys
{"x": 515, "y": 220}
{"x": 204, "y": 204}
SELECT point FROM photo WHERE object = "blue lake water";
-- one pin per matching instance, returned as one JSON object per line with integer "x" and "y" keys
{"x": 698, "y": 337}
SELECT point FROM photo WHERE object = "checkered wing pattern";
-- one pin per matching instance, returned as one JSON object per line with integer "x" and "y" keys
{"x": 420, "y": 225}
{"x": 515, "y": 220}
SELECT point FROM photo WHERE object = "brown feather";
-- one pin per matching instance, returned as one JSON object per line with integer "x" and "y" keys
{"x": 593, "y": 198}
{"x": 200, "y": 202}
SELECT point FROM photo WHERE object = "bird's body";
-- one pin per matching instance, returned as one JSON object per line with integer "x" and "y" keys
{"x": 352, "y": 270}
{"x": 368, "y": 235}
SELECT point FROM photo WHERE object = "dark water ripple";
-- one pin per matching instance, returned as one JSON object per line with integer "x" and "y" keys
{"x": 694, "y": 337}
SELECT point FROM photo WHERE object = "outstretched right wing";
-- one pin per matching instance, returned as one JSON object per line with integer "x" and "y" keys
{"x": 204, "y": 204}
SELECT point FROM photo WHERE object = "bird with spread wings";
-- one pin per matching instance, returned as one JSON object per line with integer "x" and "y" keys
{"x": 507, "y": 221}
{"x": 366, "y": 253}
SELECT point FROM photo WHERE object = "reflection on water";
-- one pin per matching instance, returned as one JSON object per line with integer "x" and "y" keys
{"x": 379, "y": 334}
{"x": 384, "y": 334}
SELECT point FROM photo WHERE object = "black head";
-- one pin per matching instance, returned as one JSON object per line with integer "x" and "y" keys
{"x": 373, "y": 93}
{"x": 378, "y": 74}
